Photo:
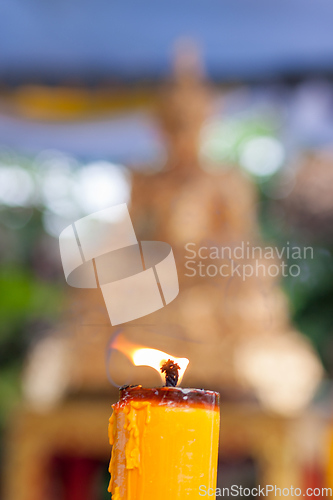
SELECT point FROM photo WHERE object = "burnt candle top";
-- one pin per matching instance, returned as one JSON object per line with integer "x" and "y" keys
{"x": 170, "y": 396}
{"x": 171, "y": 371}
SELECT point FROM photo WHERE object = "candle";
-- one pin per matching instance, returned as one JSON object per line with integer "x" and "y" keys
{"x": 165, "y": 441}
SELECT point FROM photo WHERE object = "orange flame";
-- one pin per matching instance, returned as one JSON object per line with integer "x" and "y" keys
{"x": 143, "y": 356}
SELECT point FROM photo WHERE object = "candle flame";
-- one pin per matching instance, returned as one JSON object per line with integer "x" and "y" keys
{"x": 155, "y": 359}
{"x": 144, "y": 356}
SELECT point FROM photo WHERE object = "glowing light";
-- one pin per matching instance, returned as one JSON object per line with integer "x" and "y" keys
{"x": 46, "y": 373}
{"x": 56, "y": 187}
{"x": 155, "y": 359}
{"x": 262, "y": 156}
{"x": 16, "y": 186}
{"x": 100, "y": 185}
{"x": 56, "y": 184}
{"x": 283, "y": 371}
{"x": 142, "y": 356}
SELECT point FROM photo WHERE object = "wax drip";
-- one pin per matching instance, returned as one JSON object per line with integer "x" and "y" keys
{"x": 171, "y": 369}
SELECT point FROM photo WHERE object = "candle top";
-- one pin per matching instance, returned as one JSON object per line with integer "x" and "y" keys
{"x": 171, "y": 396}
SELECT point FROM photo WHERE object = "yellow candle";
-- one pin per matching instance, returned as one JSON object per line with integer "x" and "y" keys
{"x": 165, "y": 443}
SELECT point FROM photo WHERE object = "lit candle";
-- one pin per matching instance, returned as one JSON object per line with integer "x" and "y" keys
{"x": 165, "y": 441}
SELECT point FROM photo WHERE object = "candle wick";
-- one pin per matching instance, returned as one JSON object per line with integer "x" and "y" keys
{"x": 171, "y": 370}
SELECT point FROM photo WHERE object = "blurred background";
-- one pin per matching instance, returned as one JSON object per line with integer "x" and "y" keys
{"x": 214, "y": 122}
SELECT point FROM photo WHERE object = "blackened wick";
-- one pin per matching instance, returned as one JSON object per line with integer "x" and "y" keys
{"x": 171, "y": 369}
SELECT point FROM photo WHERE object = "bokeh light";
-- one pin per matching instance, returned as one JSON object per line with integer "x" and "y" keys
{"x": 100, "y": 185}
{"x": 16, "y": 186}
{"x": 262, "y": 156}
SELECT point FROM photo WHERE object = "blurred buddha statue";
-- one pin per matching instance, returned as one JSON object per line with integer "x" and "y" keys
{"x": 234, "y": 329}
